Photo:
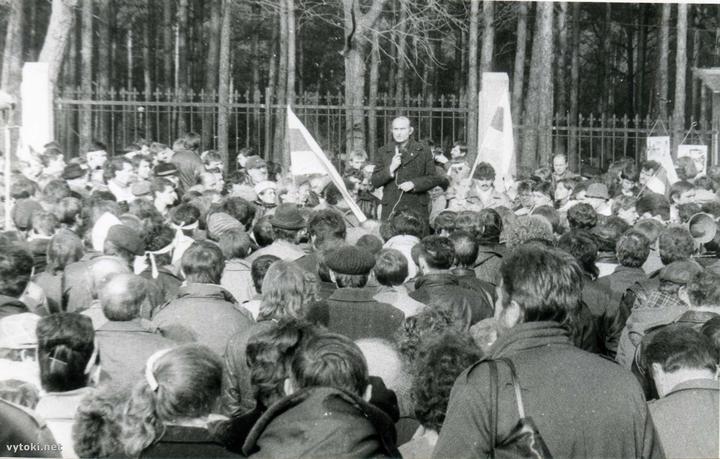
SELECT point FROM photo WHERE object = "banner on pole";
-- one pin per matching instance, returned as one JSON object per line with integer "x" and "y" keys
{"x": 37, "y": 106}
{"x": 496, "y": 145}
{"x": 306, "y": 157}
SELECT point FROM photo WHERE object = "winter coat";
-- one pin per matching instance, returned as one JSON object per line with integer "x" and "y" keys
{"x": 418, "y": 167}
{"x": 237, "y": 280}
{"x": 204, "y": 313}
{"x": 583, "y": 405}
{"x": 446, "y": 284}
{"x": 21, "y": 427}
{"x": 354, "y": 313}
{"x": 319, "y": 422}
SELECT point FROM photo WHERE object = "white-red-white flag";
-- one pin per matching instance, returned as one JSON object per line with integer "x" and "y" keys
{"x": 306, "y": 157}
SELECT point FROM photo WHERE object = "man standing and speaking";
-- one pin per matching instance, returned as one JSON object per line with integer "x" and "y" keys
{"x": 406, "y": 171}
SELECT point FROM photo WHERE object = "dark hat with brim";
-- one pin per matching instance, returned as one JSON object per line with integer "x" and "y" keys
{"x": 287, "y": 216}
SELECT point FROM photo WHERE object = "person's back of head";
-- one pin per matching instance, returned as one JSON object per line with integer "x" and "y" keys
{"x": 703, "y": 291}
{"x": 391, "y": 267}
{"x": 632, "y": 249}
{"x": 370, "y": 243}
{"x": 185, "y": 215}
{"x": 101, "y": 269}
{"x": 444, "y": 222}
{"x": 539, "y": 284}
{"x": 121, "y": 297}
{"x": 551, "y": 215}
{"x": 239, "y": 208}
{"x": 528, "y": 228}
{"x": 582, "y": 216}
{"x": 263, "y": 231}
{"x": 324, "y": 226}
{"x": 203, "y": 262}
{"x": 66, "y": 351}
{"x": 330, "y": 360}
{"x": 607, "y": 234}
{"x": 675, "y": 244}
{"x": 436, "y": 253}
{"x": 16, "y": 265}
{"x": 98, "y": 422}
{"x": 285, "y": 292}
{"x": 466, "y": 249}
{"x": 649, "y": 228}
{"x": 407, "y": 222}
{"x": 653, "y": 205}
{"x": 677, "y": 353}
{"x": 582, "y": 246}
{"x": 422, "y": 328}
{"x": 269, "y": 355}
{"x": 180, "y": 383}
{"x": 234, "y": 243}
{"x": 192, "y": 141}
{"x": 711, "y": 329}
{"x": 440, "y": 361}
{"x": 470, "y": 222}
{"x": 259, "y": 268}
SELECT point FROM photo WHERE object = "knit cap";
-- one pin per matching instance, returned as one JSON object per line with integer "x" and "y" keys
{"x": 350, "y": 260}
{"x": 220, "y": 222}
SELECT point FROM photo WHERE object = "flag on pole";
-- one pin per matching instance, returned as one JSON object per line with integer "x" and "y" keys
{"x": 306, "y": 157}
{"x": 496, "y": 145}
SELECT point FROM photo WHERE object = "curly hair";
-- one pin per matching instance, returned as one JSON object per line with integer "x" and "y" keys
{"x": 704, "y": 289}
{"x": 98, "y": 420}
{"x": 439, "y": 363}
{"x": 675, "y": 243}
{"x": 581, "y": 245}
{"x": 286, "y": 292}
{"x": 189, "y": 379}
{"x": 420, "y": 328}
{"x": 269, "y": 355}
{"x": 632, "y": 249}
{"x": 582, "y": 216}
{"x": 528, "y": 228}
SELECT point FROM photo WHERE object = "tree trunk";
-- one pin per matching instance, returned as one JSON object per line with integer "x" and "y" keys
{"x": 103, "y": 65}
{"x": 282, "y": 80}
{"x": 224, "y": 81}
{"x": 130, "y": 63}
{"x": 488, "y": 37}
{"x": 86, "y": 74}
{"x": 31, "y": 47}
{"x": 211, "y": 70}
{"x": 537, "y": 142}
{"x": 356, "y": 27}
{"x": 147, "y": 67}
{"x": 290, "y": 89}
{"x": 694, "y": 104}
{"x": 561, "y": 65}
{"x": 606, "y": 59}
{"x": 642, "y": 58}
{"x": 13, "y": 51}
{"x": 401, "y": 56}
{"x": 472, "y": 81}
{"x": 169, "y": 44}
{"x": 61, "y": 21}
{"x": 519, "y": 68}
{"x": 271, "y": 85}
{"x": 630, "y": 50}
{"x": 661, "y": 95}
{"x": 573, "y": 160}
{"x": 680, "y": 67}
{"x": 181, "y": 68}
{"x": 373, "y": 94}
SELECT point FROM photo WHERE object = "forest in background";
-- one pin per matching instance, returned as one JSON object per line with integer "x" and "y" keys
{"x": 563, "y": 58}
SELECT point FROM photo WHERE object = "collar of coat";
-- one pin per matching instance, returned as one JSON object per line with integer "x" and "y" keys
{"x": 529, "y": 335}
{"x": 199, "y": 290}
{"x": 353, "y": 295}
{"x": 435, "y": 280}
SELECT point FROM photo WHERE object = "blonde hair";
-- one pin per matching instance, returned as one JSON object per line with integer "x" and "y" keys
{"x": 286, "y": 292}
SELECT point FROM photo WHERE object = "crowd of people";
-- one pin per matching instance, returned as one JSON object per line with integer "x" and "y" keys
{"x": 152, "y": 304}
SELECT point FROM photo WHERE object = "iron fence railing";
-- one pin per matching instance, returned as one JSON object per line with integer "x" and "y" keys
{"x": 119, "y": 118}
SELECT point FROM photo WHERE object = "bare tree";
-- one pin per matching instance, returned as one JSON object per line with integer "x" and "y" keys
{"x": 53, "y": 50}
{"x": 357, "y": 31}
{"x": 519, "y": 68}
{"x": 373, "y": 93}
{"x": 13, "y": 53}
{"x": 86, "y": 73}
{"x": 211, "y": 66}
{"x": 680, "y": 66}
{"x": 661, "y": 80}
{"x": 488, "y": 36}
{"x": 561, "y": 65}
{"x": 224, "y": 80}
{"x": 290, "y": 96}
{"x": 537, "y": 140}
{"x": 168, "y": 44}
{"x": 472, "y": 82}
{"x": 574, "y": 86}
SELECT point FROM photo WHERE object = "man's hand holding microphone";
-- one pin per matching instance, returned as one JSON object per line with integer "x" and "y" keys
{"x": 394, "y": 166}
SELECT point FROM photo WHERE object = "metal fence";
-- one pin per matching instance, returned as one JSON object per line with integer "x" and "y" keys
{"x": 120, "y": 118}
